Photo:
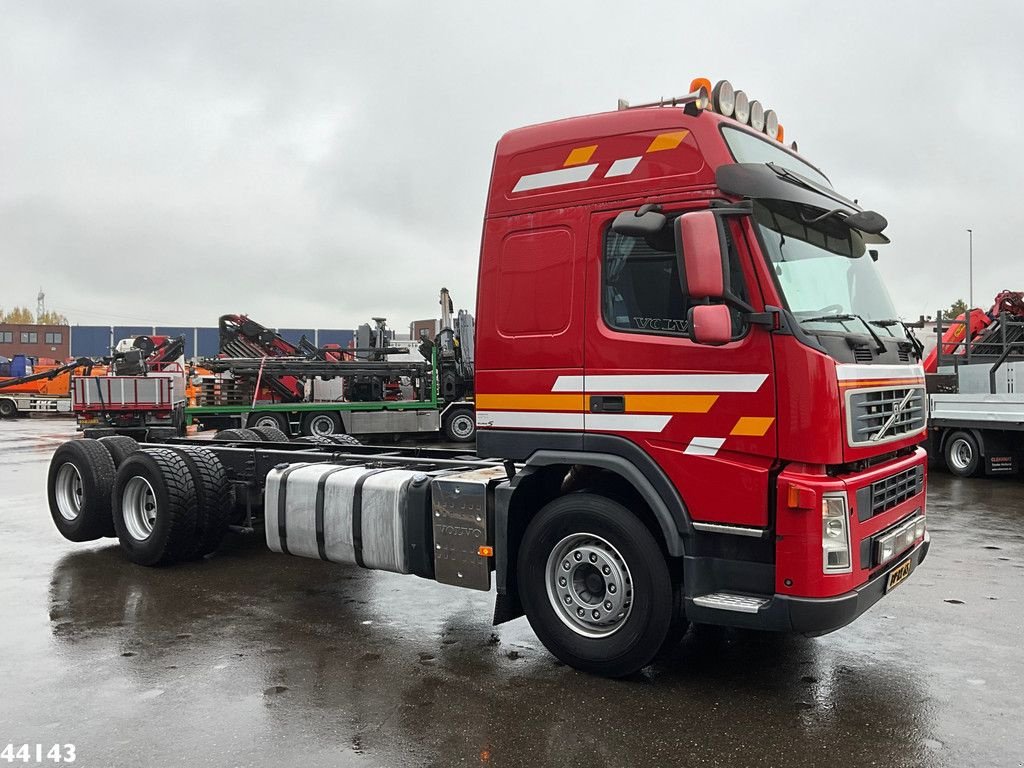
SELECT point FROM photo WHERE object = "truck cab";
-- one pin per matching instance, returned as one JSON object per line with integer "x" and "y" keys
{"x": 679, "y": 313}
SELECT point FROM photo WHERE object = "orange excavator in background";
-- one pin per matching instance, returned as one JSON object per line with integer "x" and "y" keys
{"x": 964, "y": 331}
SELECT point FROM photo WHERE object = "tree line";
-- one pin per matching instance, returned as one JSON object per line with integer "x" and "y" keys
{"x": 25, "y": 316}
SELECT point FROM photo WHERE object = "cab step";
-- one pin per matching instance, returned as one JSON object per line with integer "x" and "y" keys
{"x": 728, "y": 601}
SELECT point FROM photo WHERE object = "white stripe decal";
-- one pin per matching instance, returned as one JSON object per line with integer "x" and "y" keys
{"x": 623, "y": 167}
{"x": 529, "y": 420}
{"x": 714, "y": 382}
{"x": 570, "y": 175}
{"x": 704, "y": 446}
{"x": 850, "y": 372}
{"x": 627, "y": 422}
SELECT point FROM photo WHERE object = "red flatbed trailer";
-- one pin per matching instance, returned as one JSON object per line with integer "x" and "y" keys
{"x": 694, "y": 402}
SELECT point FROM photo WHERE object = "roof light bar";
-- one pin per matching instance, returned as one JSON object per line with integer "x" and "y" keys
{"x": 726, "y": 101}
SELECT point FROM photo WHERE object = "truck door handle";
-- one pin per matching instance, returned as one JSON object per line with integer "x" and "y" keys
{"x": 607, "y": 404}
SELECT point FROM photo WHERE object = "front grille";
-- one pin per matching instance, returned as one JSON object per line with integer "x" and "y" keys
{"x": 870, "y": 414}
{"x": 883, "y": 495}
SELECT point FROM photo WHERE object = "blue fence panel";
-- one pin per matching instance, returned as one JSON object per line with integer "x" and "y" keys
{"x": 176, "y": 331}
{"x": 339, "y": 336}
{"x": 90, "y": 340}
{"x": 209, "y": 342}
{"x": 131, "y": 331}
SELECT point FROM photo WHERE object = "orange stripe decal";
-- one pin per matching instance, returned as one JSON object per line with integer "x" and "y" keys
{"x": 667, "y": 141}
{"x": 579, "y": 156}
{"x": 881, "y": 382}
{"x": 573, "y": 402}
{"x": 752, "y": 426}
{"x": 669, "y": 403}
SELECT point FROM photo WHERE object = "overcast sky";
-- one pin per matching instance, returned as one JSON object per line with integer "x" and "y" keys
{"x": 316, "y": 163}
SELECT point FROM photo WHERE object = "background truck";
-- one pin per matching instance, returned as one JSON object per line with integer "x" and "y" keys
{"x": 693, "y": 402}
{"x": 27, "y": 387}
{"x": 142, "y": 393}
{"x": 976, "y": 389}
{"x": 375, "y": 387}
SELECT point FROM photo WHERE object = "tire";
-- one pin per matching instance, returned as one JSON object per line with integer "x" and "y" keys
{"x": 321, "y": 423}
{"x": 154, "y": 507}
{"x": 271, "y": 434}
{"x": 120, "y": 448}
{"x": 214, "y": 500}
{"x": 343, "y": 439}
{"x": 460, "y": 425}
{"x": 678, "y": 623}
{"x": 8, "y": 409}
{"x": 159, "y": 434}
{"x": 78, "y": 488}
{"x": 95, "y": 433}
{"x": 962, "y": 454}
{"x": 316, "y": 440}
{"x": 637, "y": 585}
{"x": 270, "y": 419}
{"x": 244, "y": 435}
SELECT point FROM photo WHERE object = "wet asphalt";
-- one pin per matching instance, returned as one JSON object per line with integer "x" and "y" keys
{"x": 251, "y": 658}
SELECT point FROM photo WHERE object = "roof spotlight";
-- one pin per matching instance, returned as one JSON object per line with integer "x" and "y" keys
{"x": 756, "y": 116}
{"x": 771, "y": 123}
{"x": 723, "y": 98}
{"x": 794, "y": 147}
{"x": 741, "y": 107}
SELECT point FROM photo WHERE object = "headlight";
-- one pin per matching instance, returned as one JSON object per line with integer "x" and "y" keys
{"x": 756, "y": 116}
{"x": 741, "y": 107}
{"x": 835, "y": 534}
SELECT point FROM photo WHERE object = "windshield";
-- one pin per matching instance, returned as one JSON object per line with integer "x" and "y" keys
{"x": 823, "y": 269}
{"x": 750, "y": 149}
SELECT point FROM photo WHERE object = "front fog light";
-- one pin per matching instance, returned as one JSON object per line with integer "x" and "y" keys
{"x": 920, "y": 528}
{"x": 835, "y": 534}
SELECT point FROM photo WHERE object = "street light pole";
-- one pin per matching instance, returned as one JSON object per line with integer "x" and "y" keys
{"x": 970, "y": 270}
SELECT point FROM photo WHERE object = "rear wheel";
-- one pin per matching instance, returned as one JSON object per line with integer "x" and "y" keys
{"x": 963, "y": 454}
{"x": 595, "y": 585}
{"x": 213, "y": 500}
{"x": 276, "y": 421}
{"x": 245, "y": 435}
{"x": 154, "y": 507}
{"x": 321, "y": 424}
{"x": 271, "y": 434}
{"x": 8, "y": 409}
{"x": 120, "y": 447}
{"x": 460, "y": 425}
{"x": 78, "y": 488}
{"x": 343, "y": 439}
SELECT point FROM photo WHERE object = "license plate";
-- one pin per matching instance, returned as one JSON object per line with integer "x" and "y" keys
{"x": 898, "y": 575}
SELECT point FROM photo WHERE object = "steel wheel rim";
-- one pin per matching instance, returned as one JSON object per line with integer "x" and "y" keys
{"x": 322, "y": 426}
{"x": 138, "y": 508}
{"x": 466, "y": 428}
{"x": 69, "y": 491}
{"x": 589, "y": 585}
{"x": 267, "y": 421}
{"x": 961, "y": 454}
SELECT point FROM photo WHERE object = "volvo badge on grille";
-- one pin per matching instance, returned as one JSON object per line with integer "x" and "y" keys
{"x": 892, "y": 418}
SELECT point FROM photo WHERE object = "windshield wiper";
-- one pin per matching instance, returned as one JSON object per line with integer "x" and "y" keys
{"x": 845, "y": 317}
{"x": 914, "y": 341}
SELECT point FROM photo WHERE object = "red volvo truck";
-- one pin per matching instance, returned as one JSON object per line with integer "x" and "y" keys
{"x": 694, "y": 404}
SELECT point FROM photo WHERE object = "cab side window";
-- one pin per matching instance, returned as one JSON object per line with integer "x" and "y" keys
{"x": 641, "y": 291}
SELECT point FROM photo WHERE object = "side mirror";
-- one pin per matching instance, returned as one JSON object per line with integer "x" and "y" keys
{"x": 702, "y": 255}
{"x": 710, "y": 324}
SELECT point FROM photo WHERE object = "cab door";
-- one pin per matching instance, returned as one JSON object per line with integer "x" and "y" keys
{"x": 704, "y": 414}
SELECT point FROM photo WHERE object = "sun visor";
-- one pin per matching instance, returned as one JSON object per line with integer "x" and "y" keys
{"x": 766, "y": 181}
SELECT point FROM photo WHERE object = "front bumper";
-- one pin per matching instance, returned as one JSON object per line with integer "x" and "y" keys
{"x": 821, "y": 615}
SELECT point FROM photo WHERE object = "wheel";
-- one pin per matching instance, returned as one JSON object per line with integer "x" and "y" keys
{"x": 78, "y": 487}
{"x": 120, "y": 447}
{"x": 963, "y": 455}
{"x": 276, "y": 421}
{"x": 460, "y": 425}
{"x": 271, "y": 434}
{"x": 595, "y": 585}
{"x": 95, "y": 433}
{"x": 8, "y": 409}
{"x": 678, "y": 623}
{"x": 317, "y": 440}
{"x": 343, "y": 439}
{"x": 214, "y": 499}
{"x": 154, "y": 507}
{"x": 159, "y": 434}
{"x": 322, "y": 423}
{"x": 246, "y": 435}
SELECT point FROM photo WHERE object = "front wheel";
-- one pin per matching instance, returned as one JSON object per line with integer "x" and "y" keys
{"x": 595, "y": 585}
{"x": 962, "y": 454}
{"x": 460, "y": 425}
